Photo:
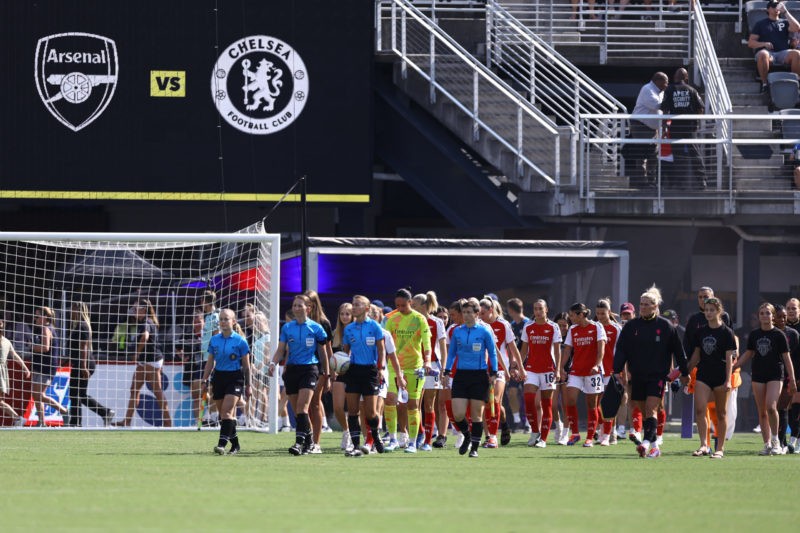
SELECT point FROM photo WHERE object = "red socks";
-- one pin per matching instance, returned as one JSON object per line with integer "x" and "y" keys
{"x": 572, "y": 418}
{"x": 591, "y": 423}
{"x": 636, "y": 420}
{"x": 547, "y": 416}
{"x": 430, "y": 423}
{"x": 530, "y": 411}
{"x": 492, "y": 422}
{"x": 608, "y": 426}
{"x": 662, "y": 419}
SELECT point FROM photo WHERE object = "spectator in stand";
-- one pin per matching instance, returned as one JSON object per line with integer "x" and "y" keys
{"x": 640, "y": 159}
{"x": 680, "y": 98}
{"x": 771, "y": 38}
{"x": 574, "y": 14}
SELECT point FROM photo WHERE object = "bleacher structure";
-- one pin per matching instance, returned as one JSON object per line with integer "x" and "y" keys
{"x": 517, "y": 97}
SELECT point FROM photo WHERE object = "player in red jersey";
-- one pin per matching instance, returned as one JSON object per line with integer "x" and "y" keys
{"x": 509, "y": 363}
{"x": 609, "y": 322}
{"x": 541, "y": 342}
{"x": 586, "y": 341}
{"x": 427, "y": 305}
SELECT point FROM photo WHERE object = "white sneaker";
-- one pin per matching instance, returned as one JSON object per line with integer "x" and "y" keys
{"x": 777, "y": 450}
{"x": 411, "y": 448}
{"x": 605, "y": 441}
{"x": 532, "y": 440}
{"x": 540, "y": 444}
{"x": 621, "y": 431}
{"x": 326, "y": 429}
{"x": 346, "y": 442}
{"x": 767, "y": 450}
{"x": 564, "y": 439}
{"x": 636, "y": 434}
{"x": 402, "y": 440}
{"x": 757, "y": 429}
{"x": 315, "y": 449}
{"x": 20, "y": 422}
{"x": 241, "y": 420}
{"x": 659, "y": 441}
{"x": 459, "y": 440}
{"x": 285, "y": 429}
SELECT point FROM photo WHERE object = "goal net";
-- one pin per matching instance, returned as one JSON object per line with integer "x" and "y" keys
{"x": 110, "y": 330}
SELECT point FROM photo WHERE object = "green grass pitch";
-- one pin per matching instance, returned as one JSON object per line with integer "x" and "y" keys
{"x": 116, "y": 480}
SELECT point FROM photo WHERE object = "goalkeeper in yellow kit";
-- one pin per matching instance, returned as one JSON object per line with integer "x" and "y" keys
{"x": 412, "y": 338}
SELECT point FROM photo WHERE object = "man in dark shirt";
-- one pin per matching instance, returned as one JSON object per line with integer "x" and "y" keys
{"x": 680, "y": 98}
{"x": 771, "y": 38}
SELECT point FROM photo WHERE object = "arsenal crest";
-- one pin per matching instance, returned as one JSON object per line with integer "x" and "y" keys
{"x": 76, "y": 74}
{"x": 259, "y": 84}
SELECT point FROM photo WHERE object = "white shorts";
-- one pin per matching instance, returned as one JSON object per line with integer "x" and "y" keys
{"x": 541, "y": 380}
{"x": 606, "y": 379}
{"x": 384, "y": 387}
{"x": 587, "y": 384}
{"x": 154, "y": 364}
{"x": 501, "y": 375}
{"x": 433, "y": 382}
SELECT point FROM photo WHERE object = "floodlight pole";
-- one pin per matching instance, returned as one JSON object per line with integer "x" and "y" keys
{"x": 303, "y": 235}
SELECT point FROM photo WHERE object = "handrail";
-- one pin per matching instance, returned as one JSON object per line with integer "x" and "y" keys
{"x": 614, "y": 32}
{"x": 717, "y": 99}
{"x": 550, "y": 80}
{"x": 756, "y": 169}
{"x": 495, "y": 10}
{"x": 424, "y": 62}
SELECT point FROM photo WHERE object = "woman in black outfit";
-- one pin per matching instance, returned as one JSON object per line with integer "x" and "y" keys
{"x": 769, "y": 349}
{"x": 713, "y": 350}
{"x": 149, "y": 361}
{"x": 82, "y": 364}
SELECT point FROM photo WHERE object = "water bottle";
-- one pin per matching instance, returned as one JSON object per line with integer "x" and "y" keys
{"x": 403, "y": 396}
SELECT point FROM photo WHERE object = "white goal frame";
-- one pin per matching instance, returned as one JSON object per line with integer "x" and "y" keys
{"x": 252, "y": 234}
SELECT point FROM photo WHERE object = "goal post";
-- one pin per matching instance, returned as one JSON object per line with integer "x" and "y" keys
{"x": 112, "y": 326}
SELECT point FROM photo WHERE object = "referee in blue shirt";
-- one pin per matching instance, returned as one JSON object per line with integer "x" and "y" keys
{"x": 304, "y": 342}
{"x": 229, "y": 358}
{"x": 469, "y": 345}
{"x": 363, "y": 340}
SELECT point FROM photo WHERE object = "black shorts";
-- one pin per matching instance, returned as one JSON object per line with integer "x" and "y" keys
{"x": 711, "y": 377}
{"x": 224, "y": 383}
{"x": 642, "y": 388}
{"x": 362, "y": 379}
{"x": 296, "y": 377}
{"x": 767, "y": 375}
{"x": 192, "y": 371}
{"x": 471, "y": 384}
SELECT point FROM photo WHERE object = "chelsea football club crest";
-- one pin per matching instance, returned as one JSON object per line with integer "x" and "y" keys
{"x": 259, "y": 84}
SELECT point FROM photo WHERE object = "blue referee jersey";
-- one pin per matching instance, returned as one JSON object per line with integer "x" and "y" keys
{"x": 228, "y": 351}
{"x": 470, "y": 345}
{"x": 362, "y": 338}
{"x": 301, "y": 341}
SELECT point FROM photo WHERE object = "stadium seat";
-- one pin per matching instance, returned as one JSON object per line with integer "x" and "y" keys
{"x": 755, "y": 10}
{"x": 790, "y": 128}
{"x": 784, "y": 89}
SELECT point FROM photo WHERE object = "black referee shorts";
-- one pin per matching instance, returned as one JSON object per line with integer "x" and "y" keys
{"x": 362, "y": 379}
{"x": 224, "y": 383}
{"x": 297, "y": 377}
{"x": 642, "y": 388}
{"x": 471, "y": 384}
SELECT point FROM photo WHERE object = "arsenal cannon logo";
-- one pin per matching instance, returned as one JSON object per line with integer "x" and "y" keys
{"x": 259, "y": 84}
{"x": 76, "y": 74}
